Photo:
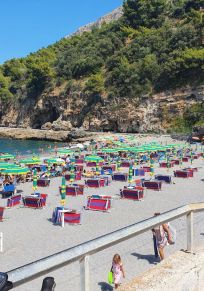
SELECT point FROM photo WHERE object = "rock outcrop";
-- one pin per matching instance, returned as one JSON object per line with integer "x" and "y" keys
{"x": 114, "y": 15}
{"x": 59, "y": 111}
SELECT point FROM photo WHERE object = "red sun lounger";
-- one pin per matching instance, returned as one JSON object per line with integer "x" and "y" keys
{"x": 33, "y": 202}
{"x": 99, "y": 203}
{"x": 153, "y": 185}
{"x": 95, "y": 183}
{"x": 74, "y": 190}
{"x": 1, "y": 213}
{"x": 133, "y": 194}
{"x": 120, "y": 177}
{"x": 182, "y": 174}
{"x": 72, "y": 217}
{"x": 13, "y": 201}
{"x": 43, "y": 182}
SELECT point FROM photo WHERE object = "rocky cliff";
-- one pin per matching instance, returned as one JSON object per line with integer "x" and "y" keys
{"x": 61, "y": 110}
{"x": 114, "y": 15}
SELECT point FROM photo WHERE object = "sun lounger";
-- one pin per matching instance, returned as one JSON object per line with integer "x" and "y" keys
{"x": 95, "y": 183}
{"x": 176, "y": 162}
{"x": 185, "y": 159}
{"x": 74, "y": 190}
{"x": 166, "y": 165}
{"x": 120, "y": 177}
{"x": 109, "y": 167}
{"x": 98, "y": 203}
{"x": 79, "y": 161}
{"x": 33, "y": 202}
{"x": 138, "y": 172}
{"x": 125, "y": 164}
{"x": 43, "y": 182}
{"x": 147, "y": 169}
{"x": 153, "y": 185}
{"x": 182, "y": 174}
{"x": 79, "y": 168}
{"x": 1, "y": 213}
{"x": 164, "y": 178}
{"x": 63, "y": 215}
{"x": 133, "y": 194}
{"x": 13, "y": 201}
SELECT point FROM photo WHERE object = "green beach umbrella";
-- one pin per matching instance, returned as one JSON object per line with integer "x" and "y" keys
{"x": 93, "y": 159}
{"x": 65, "y": 152}
{"x": 16, "y": 171}
{"x": 130, "y": 174}
{"x": 111, "y": 150}
{"x": 63, "y": 191}
{"x": 35, "y": 180}
{"x": 54, "y": 161}
{"x": 7, "y": 166}
{"x": 6, "y": 156}
{"x": 34, "y": 161}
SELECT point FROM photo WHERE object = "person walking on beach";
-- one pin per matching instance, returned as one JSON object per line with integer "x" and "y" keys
{"x": 162, "y": 236}
{"x": 117, "y": 269}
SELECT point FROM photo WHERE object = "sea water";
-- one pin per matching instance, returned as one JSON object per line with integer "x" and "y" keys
{"x": 27, "y": 147}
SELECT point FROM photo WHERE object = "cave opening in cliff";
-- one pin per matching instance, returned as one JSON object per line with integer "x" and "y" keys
{"x": 49, "y": 116}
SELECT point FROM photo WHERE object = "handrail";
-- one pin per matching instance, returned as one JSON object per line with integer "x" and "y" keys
{"x": 82, "y": 252}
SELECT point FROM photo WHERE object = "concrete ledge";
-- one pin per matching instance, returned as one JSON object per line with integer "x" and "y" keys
{"x": 179, "y": 272}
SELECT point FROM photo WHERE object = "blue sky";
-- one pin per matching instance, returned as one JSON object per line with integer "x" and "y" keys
{"x": 28, "y": 25}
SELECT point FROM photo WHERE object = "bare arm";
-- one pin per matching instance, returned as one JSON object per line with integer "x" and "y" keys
{"x": 166, "y": 229}
{"x": 122, "y": 270}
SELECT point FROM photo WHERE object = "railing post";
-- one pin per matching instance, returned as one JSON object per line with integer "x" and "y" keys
{"x": 1, "y": 242}
{"x": 190, "y": 232}
{"x": 84, "y": 274}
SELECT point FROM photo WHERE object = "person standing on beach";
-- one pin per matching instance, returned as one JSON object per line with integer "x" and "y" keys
{"x": 117, "y": 269}
{"x": 162, "y": 236}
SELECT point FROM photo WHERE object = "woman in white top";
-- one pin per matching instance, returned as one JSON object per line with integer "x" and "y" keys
{"x": 163, "y": 236}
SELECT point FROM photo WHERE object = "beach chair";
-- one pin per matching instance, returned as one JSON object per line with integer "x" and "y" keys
{"x": 147, "y": 169}
{"x": 32, "y": 202}
{"x": 176, "y": 162}
{"x": 79, "y": 168}
{"x": 91, "y": 164}
{"x": 43, "y": 199}
{"x": 95, "y": 183}
{"x": 78, "y": 176}
{"x": 120, "y": 177}
{"x": 125, "y": 164}
{"x": 1, "y": 213}
{"x": 74, "y": 190}
{"x": 153, "y": 185}
{"x": 62, "y": 215}
{"x": 138, "y": 172}
{"x": 72, "y": 217}
{"x": 79, "y": 161}
{"x": 8, "y": 190}
{"x": 166, "y": 165}
{"x": 182, "y": 174}
{"x": 164, "y": 178}
{"x": 98, "y": 203}
{"x": 136, "y": 194}
{"x": 185, "y": 159}
{"x": 13, "y": 201}
{"x": 43, "y": 182}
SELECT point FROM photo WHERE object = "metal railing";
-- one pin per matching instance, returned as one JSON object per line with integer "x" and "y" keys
{"x": 83, "y": 251}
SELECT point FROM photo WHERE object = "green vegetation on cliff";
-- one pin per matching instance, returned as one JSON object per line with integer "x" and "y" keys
{"x": 157, "y": 45}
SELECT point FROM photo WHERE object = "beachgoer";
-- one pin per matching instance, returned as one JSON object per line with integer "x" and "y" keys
{"x": 162, "y": 236}
{"x": 117, "y": 269}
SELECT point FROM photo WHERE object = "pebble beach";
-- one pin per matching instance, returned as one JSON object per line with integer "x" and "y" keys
{"x": 30, "y": 235}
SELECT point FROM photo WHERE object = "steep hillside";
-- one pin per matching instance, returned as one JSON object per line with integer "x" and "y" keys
{"x": 142, "y": 72}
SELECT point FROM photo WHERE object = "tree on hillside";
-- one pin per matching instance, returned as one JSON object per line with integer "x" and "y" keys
{"x": 147, "y": 13}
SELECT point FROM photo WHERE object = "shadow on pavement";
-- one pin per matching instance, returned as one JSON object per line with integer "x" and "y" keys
{"x": 150, "y": 258}
{"x": 105, "y": 286}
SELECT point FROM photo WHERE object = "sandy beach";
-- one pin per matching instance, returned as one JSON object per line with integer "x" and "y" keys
{"x": 29, "y": 235}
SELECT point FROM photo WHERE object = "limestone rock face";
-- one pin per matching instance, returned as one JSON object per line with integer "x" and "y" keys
{"x": 64, "y": 111}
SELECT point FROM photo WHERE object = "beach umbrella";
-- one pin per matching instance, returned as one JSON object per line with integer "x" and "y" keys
{"x": 72, "y": 174}
{"x": 63, "y": 191}
{"x": 35, "y": 180}
{"x": 6, "y": 157}
{"x": 93, "y": 159}
{"x": 32, "y": 161}
{"x": 55, "y": 161}
{"x": 7, "y": 166}
{"x": 111, "y": 150}
{"x": 65, "y": 152}
{"x": 16, "y": 171}
{"x": 130, "y": 174}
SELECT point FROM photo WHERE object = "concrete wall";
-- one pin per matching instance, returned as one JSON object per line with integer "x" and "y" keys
{"x": 179, "y": 272}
